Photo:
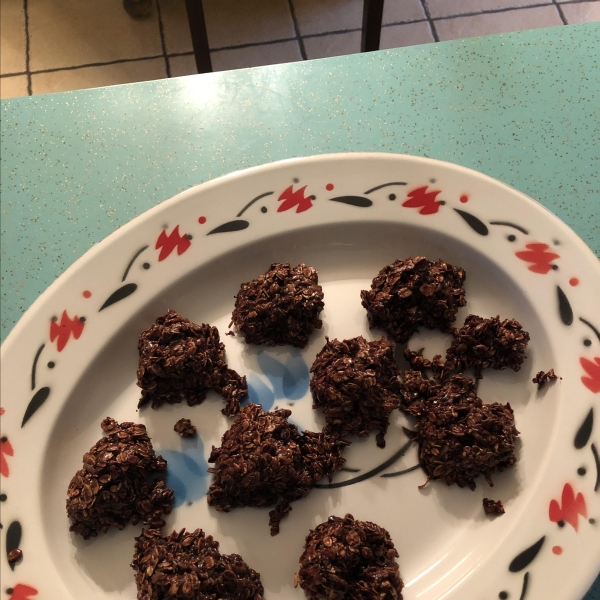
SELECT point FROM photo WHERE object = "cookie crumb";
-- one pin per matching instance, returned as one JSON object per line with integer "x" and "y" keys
{"x": 493, "y": 507}
{"x": 14, "y": 555}
{"x": 185, "y": 428}
{"x": 542, "y": 378}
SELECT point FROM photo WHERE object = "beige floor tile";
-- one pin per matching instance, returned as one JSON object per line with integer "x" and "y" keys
{"x": 322, "y": 16}
{"x": 234, "y": 22}
{"x": 411, "y": 34}
{"x": 12, "y": 37}
{"x": 88, "y": 31}
{"x": 11, "y": 87}
{"x": 512, "y": 20}
{"x": 255, "y": 56}
{"x": 335, "y": 44}
{"x": 397, "y": 11}
{"x": 182, "y": 65}
{"x": 90, "y": 77}
{"x": 175, "y": 26}
{"x": 448, "y": 8}
{"x": 584, "y": 12}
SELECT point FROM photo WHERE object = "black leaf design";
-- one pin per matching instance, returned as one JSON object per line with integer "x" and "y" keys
{"x": 13, "y": 539}
{"x": 119, "y": 295}
{"x": 473, "y": 222}
{"x": 596, "y": 332}
{"x": 525, "y": 586}
{"x": 526, "y": 557}
{"x": 34, "y": 404}
{"x": 583, "y": 433}
{"x": 259, "y": 197}
{"x": 509, "y": 224}
{"x": 236, "y": 225}
{"x": 403, "y": 472}
{"x": 383, "y": 185}
{"x": 564, "y": 307}
{"x": 371, "y": 473}
{"x": 34, "y": 366}
{"x": 130, "y": 264}
{"x": 597, "y": 461}
{"x": 353, "y": 201}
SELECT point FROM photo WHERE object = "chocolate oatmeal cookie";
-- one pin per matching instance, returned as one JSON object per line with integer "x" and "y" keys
{"x": 180, "y": 360}
{"x": 282, "y": 306}
{"x": 356, "y": 384}
{"x": 347, "y": 559}
{"x": 113, "y": 488}
{"x": 189, "y": 566}
{"x": 487, "y": 343}
{"x": 415, "y": 292}
{"x": 460, "y": 437}
{"x": 265, "y": 461}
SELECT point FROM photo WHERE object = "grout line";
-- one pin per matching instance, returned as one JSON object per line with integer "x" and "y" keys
{"x": 174, "y": 54}
{"x": 297, "y": 31}
{"x": 2, "y": 75}
{"x": 162, "y": 39}
{"x": 27, "y": 59}
{"x": 561, "y": 14}
{"x": 494, "y": 11}
{"x": 430, "y": 21}
{"x": 100, "y": 64}
{"x": 335, "y": 32}
{"x": 252, "y": 45}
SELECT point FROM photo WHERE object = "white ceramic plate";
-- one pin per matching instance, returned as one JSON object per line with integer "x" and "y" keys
{"x": 71, "y": 361}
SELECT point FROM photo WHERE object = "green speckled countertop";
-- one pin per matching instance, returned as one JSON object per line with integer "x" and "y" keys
{"x": 521, "y": 107}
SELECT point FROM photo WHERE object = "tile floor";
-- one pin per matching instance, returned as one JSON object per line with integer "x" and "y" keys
{"x": 58, "y": 45}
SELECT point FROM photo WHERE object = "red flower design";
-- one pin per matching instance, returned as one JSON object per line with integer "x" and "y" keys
{"x": 537, "y": 254}
{"x": 592, "y": 368}
{"x": 168, "y": 243}
{"x": 5, "y": 448}
{"x": 1, "y": 411}
{"x": 61, "y": 332}
{"x": 572, "y": 507}
{"x": 423, "y": 199}
{"x": 293, "y": 198}
{"x": 22, "y": 592}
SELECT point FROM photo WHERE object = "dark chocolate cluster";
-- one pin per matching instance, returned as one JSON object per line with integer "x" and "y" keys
{"x": 265, "y": 461}
{"x": 114, "y": 486}
{"x": 356, "y": 385}
{"x": 189, "y": 566}
{"x": 487, "y": 343}
{"x": 347, "y": 559}
{"x": 180, "y": 360}
{"x": 282, "y": 306}
{"x": 460, "y": 438}
{"x": 415, "y": 292}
